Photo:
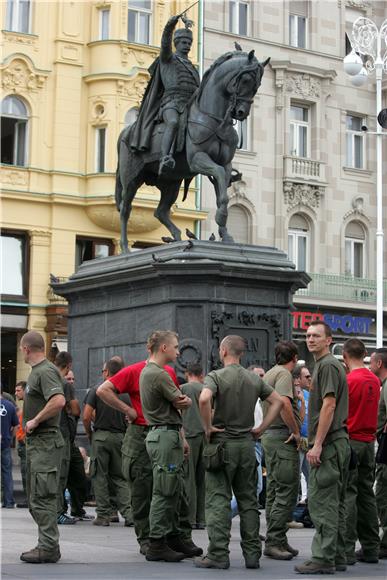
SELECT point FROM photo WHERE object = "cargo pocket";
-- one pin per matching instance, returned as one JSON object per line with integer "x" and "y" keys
{"x": 44, "y": 484}
{"x": 328, "y": 473}
{"x": 214, "y": 456}
{"x": 287, "y": 466}
{"x": 166, "y": 482}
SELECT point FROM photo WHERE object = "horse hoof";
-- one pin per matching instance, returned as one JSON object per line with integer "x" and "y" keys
{"x": 228, "y": 239}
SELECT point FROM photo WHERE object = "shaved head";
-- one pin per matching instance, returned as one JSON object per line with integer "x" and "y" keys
{"x": 33, "y": 340}
{"x": 234, "y": 345}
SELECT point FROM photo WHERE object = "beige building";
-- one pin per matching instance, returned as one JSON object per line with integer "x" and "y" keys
{"x": 309, "y": 172}
{"x": 73, "y": 75}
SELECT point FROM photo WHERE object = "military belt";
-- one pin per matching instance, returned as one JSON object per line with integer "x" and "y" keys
{"x": 166, "y": 427}
{"x": 43, "y": 431}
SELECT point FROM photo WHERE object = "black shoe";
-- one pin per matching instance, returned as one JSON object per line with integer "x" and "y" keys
{"x": 367, "y": 558}
{"x": 160, "y": 551}
{"x": 252, "y": 562}
{"x": 187, "y": 547}
{"x": 22, "y": 504}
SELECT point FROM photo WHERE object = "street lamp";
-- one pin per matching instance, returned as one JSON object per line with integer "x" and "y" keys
{"x": 367, "y": 41}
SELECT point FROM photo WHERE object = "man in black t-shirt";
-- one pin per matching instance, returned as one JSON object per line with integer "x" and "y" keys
{"x": 106, "y": 442}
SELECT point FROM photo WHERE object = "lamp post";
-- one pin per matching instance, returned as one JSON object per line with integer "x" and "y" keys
{"x": 367, "y": 40}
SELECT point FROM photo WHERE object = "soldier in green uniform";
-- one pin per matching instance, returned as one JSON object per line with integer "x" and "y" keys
{"x": 106, "y": 452}
{"x": 43, "y": 402}
{"x": 161, "y": 404}
{"x": 280, "y": 443}
{"x": 329, "y": 455}
{"x": 194, "y": 434}
{"x": 378, "y": 365}
{"x": 230, "y": 453}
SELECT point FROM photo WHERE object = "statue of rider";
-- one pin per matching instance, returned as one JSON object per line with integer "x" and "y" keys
{"x": 174, "y": 79}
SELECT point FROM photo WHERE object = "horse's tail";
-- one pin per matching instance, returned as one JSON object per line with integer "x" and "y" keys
{"x": 186, "y": 187}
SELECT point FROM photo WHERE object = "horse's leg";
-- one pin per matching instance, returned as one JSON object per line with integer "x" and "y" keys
{"x": 202, "y": 163}
{"x": 169, "y": 194}
{"x": 129, "y": 191}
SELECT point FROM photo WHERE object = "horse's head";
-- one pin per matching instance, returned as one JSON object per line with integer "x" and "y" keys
{"x": 243, "y": 82}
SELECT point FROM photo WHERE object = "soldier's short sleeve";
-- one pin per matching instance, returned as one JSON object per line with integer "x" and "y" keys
{"x": 51, "y": 383}
{"x": 211, "y": 383}
{"x": 265, "y": 390}
{"x": 329, "y": 380}
{"x": 167, "y": 387}
{"x": 284, "y": 384}
{"x": 91, "y": 398}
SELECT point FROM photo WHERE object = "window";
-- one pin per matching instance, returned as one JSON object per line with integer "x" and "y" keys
{"x": 355, "y": 142}
{"x": 243, "y": 134}
{"x": 131, "y": 116}
{"x": 355, "y": 250}
{"x": 14, "y": 120}
{"x": 238, "y": 17}
{"x": 299, "y": 131}
{"x": 298, "y": 242}
{"x": 139, "y": 19}
{"x": 18, "y": 15}
{"x": 238, "y": 224}
{"x": 298, "y": 19}
{"x": 100, "y": 148}
{"x": 351, "y": 14}
{"x": 14, "y": 264}
{"x": 89, "y": 249}
{"x": 104, "y": 17}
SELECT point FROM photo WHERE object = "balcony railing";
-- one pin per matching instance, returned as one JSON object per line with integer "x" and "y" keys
{"x": 300, "y": 168}
{"x": 345, "y": 288}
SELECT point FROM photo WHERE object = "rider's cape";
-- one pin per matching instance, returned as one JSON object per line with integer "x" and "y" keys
{"x": 141, "y": 134}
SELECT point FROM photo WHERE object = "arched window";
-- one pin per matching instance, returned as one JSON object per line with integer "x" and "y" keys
{"x": 131, "y": 116}
{"x": 14, "y": 121}
{"x": 238, "y": 224}
{"x": 355, "y": 240}
{"x": 299, "y": 242}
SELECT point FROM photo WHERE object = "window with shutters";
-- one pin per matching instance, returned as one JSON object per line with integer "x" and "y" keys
{"x": 355, "y": 240}
{"x": 298, "y": 24}
{"x": 298, "y": 242}
{"x": 238, "y": 224}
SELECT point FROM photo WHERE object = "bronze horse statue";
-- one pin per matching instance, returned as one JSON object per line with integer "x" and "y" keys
{"x": 225, "y": 94}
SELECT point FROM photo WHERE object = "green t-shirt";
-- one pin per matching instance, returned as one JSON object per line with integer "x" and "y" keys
{"x": 192, "y": 421}
{"x": 382, "y": 412}
{"x": 43, "y": 383}
{"x": 157, "y": 391}
{"x": 235, "y": 391}
{"x": 328, "y": 379}
{"x": 281, "y": 380}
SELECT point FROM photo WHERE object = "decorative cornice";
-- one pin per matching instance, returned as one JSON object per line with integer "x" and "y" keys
{"x": 303, "y": 85}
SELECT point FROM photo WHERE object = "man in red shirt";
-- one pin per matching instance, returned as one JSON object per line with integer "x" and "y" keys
{"x": 136, "y": 465}
{"x": 361, "y": 511}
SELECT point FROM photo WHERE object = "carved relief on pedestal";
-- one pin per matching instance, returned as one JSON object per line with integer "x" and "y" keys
{"x": 303, "y": 85}
{"x": 296, "y": 194}
{"x": 19, "y": 75}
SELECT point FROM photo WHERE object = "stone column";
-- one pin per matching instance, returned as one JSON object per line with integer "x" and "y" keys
{"x": 40, "y": 250}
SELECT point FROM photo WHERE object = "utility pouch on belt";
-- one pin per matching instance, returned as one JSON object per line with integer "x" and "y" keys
{"x": 214, "y": 456}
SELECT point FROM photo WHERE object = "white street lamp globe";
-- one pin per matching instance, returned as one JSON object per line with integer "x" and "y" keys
{"x": 360, "y": 79}
{"x": 352, "y": 63}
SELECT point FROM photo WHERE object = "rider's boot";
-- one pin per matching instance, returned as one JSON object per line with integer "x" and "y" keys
{"x": 166, "y": 163}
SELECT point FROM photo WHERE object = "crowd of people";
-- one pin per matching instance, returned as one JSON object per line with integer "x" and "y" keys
{"x": 171, "y": 457}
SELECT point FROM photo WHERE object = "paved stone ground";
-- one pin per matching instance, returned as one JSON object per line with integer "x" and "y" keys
{"x": 90, "y": 552}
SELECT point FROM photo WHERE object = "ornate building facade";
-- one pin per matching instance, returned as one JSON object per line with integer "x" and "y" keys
{"x": 73, "y": 75}
{"x": 309, "y": 171}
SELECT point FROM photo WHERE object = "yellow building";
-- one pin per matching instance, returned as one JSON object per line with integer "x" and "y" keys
{"x": 73, "y": 75}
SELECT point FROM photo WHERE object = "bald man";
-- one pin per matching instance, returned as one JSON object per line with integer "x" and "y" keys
{"x": 43, "y": 402}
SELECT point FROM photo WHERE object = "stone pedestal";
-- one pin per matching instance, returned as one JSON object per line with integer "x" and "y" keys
{"x": 202, "y": 290}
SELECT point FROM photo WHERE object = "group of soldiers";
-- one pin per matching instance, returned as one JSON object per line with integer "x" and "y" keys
{"x": 165, "y": 436}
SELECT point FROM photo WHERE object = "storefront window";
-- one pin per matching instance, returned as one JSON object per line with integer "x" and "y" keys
{"x": 13, "y": 265}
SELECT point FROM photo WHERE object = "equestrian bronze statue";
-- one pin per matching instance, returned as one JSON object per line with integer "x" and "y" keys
{"x": 185, "y": 128}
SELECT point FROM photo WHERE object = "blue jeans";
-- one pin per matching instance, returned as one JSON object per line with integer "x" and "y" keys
{"x": 6, "y": 477}
{"x": 258, "y": 456}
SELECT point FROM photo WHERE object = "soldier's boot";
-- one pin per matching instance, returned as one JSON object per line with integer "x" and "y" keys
{"x": 340, "y": 566}
{"x": 114, "y": 518}
{"x": 144, "y": 547}
{"x": 40, "y": 556}
{"x": 98, "y": 521}
{"x": 277, "y": 553}
{"x": 160, "y": 551}
{"x": 251, "y": 562}
{"x": 310, "y": 567}
{"x": 382, "y": 553}
{"x": 206, "y": 562}
{"x": 289, "y": 548}
{"x": 367, "y": 558}
{"x": 186, "y": 547}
